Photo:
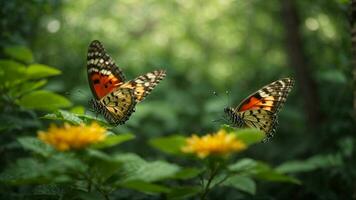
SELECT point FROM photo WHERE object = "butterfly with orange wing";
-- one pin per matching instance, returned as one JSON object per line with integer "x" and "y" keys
{"x": 260, "y": 109}
{"x": 115, "y": 98}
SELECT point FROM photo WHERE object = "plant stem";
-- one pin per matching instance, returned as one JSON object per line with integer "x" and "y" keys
{"x": 211, "y": 177}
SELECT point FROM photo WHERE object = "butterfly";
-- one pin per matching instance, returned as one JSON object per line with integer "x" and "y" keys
{"x": 114, "y": 97}
{"x": 259, "y": 110}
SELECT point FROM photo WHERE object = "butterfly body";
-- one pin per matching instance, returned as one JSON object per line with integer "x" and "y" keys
{"x": 260, "y": 109}
{"x": 114, "y": 97}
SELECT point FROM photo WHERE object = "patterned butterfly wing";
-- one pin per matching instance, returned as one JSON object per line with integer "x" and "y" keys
{"x": 103, "y": 74}
{"x": 270, "y": 97}
{"x": 144, "y": 84}
{"x": 117, "y": 106}
{"x": 260, "y": 109}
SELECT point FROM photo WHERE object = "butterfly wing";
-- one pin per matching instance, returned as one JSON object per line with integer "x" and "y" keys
{"x": 144, "y": 84}
{"x": 260, "y": 109}
{"x": 117, "y": 106}
{"x": 103, "y": 74}
{"x": 263, "y": 120}
{"x": 270, "y": 97}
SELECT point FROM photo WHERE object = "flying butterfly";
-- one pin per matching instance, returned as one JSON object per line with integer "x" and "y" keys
{"x": 259, "y": 110}
{"x": 114, "y": 97}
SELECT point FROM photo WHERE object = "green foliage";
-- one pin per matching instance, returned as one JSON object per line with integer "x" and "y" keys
{"x": 171, "y": 144}
{"x": 232, "y": 47}
{"x": 242, "y": 183}
{"x": 250, "y": 136}
{"x": 114, "y": 140}
{"x": 43, "y": 100}
{"x": 20, "y": 53}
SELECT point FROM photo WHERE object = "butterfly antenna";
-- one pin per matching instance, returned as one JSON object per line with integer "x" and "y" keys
{"x": 227, "y": 92}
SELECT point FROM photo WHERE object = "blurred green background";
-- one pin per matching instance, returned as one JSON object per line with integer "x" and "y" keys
{"x": 210, "y": 46}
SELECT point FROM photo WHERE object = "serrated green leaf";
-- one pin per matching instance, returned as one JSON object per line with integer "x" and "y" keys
{"x": 148, "y": 188}
{"x": 249, "y": 135}
{"x": 19, "y": 53}
{"x": 35, "y": 145}
{"x": 69, "y": 117}
{"x": 44, "y": 100}
{"x": 170, "y": 145}
{"x": 89, "y": 119}
{"x": 36, "y": 71}
{"x": 63, "y": 115}
{"x": 113, "y": 140}
{"x": 183, "y": 192}
{"x": 242, "y": 183}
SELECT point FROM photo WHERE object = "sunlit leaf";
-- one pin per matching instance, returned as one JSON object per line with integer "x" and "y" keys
{"x": 148, "y": 188}
{"x": 19, "y": 53}
{"x": 63, "y": 115}
{"x": 79, "y": 110}
{"x": 114, "y": 140}
{"x": 242, "y": 183}
{"x": 170, "y": 145}
{"x": 44, "y": 100}
{"x": 36, "y": 71}
{"x": 250, "y": 136}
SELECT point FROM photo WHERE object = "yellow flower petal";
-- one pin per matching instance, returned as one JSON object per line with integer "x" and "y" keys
{"x": 72, "y": 137}
{"x": 220, "y": 143}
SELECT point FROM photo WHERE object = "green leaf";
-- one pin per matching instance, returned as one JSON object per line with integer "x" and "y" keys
{"x": 187, "y": 173}
{"x": 36, "y": 71}
{"x": 152, "y": 171}
{"x": 89, "y": 119}
{"x": 250, "y": 135}
{"x": 63, "y": 115}
{"x": 183, "y": 192}
{"x": 170, "y": 145}
{"x": 313, "y": 163}
{"x": 35, "y": 145}
{"x": 19, "y": 53}
{"x": 148, "y": 188}
{"x": 26, "y": 87}
{"x": 11, "y": 72}
{"x": 103, "y": 165}
{"x": 242, "y": 183}
{"x": 136, "y": 168}
{"x": 258, "y": 169}
{"x": 43, "y": 100}
{"x": 247, "y": 165}
{"x": 30, "y": 171}
{"x": 275, "y": 176}
{"x": 113, "y": 140}
{"x": 79, "y": 110}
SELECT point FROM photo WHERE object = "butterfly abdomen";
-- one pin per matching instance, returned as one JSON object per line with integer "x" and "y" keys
{"x": 233, "y": 117}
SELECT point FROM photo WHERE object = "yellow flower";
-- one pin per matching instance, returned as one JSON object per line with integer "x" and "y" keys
{"x": 220, "y": 143}
{"x": 72, "y": 137}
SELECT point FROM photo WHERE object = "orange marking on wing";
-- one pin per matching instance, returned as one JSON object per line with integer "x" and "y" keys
{"x": 254, "y": 103}
{"x": 104, "y": 84}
